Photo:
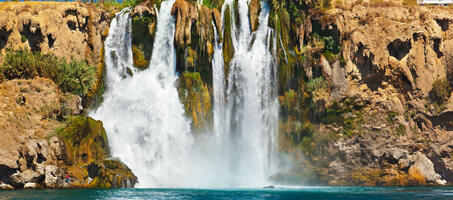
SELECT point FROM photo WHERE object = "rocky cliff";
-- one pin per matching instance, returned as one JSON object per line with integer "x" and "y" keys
{"x": 364, "y": 88}
{"x": 366, "y": 79}
{"x": 44, "y": 136}
{"x": 65, "y": 29}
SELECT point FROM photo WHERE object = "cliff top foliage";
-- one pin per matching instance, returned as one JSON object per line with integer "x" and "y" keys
{"x": 75, "y": 76}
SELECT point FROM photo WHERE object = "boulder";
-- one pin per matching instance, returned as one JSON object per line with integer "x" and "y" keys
{"x": 4, "y": 186}
{"x": 85, "y": 140}
{"x": 426, "y": 168}
{"x": 19, "y": 179}
{"x": 30, "y": 186}
{"x": 396, "y": 153}
{"x": 54, "y": 176}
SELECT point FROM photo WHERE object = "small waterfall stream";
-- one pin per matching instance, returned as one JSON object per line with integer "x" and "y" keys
{"x": 145, "y": 120}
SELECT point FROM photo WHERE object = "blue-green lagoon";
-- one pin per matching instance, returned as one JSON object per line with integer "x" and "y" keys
{"x": 309, "y": 193}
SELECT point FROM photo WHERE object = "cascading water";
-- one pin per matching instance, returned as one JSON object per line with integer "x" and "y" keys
{"x": 252, "y": 106}
{"x": 142, "y": 114}
{"x": 118, "y": 47}
{"x": 145, "y": 122}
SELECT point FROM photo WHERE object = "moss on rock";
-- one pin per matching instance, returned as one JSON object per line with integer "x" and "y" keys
{"x": 139, "y": 58}
{"x": 228, "y": 49}
{"x": 87, "y": 156}
{"x": 194, "y": 94}
{"x": 85, "y": 140}
{"x": 144, "y": 22}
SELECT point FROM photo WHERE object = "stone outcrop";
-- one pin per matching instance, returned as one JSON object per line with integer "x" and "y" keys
{"x": 194, "y": 37}
{"x": 69, "y": 29}
{"x": 378, "y": 123}
{"x": 355, "y": 87}
{"x": 30, "y": 112}
{"x": 144, "y": 21}
{"x": 39, "y": 146}
{"x": 195, "y": 96}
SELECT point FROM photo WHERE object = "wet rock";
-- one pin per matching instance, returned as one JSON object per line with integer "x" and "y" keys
{"x": 85, "y": 140}
{"x": 254, "y": 10}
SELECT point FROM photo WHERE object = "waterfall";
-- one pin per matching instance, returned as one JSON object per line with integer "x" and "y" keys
{"x": 252, "y": 106}
{"x": 142, "y": 114}
{"x": 145, "y": 121}
{"x": 118, "y": 47}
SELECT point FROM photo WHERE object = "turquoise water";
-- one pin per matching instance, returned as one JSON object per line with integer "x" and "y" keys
{"x": 340, "y": 193}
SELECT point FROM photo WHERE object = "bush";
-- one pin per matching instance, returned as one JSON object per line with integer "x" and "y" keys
{"x": 112, "y": 5}
{"x": 440, "y": 91}
{"x": 316, "y": 84}
{"x": 76, "y": 76}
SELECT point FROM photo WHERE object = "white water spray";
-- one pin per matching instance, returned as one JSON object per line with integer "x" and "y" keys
{"x": 145, "y": 122}
{"x": 252, "y": 106}
{"x": 142, "y": 114}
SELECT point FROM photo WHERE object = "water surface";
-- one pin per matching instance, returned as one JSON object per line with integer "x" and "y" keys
{"x": 331, "y": 193}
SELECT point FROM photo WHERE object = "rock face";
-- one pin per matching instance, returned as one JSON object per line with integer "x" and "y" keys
{"x": 30, "y": 112}
{"x": 356, "y": 81}
{"x": 38, "y": 149}
{"x": 194, "y": 37}
{"x": 194, "y": 94}
{"x": 85, "y": 140}
{"x": 376, "y": 122}
{"x": 54, "y": 176}
{"x": 69, "y": 29}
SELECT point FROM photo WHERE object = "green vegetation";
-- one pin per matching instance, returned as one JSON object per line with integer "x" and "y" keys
{"x": 23, "y": 39}
{"x": 213, "y": 3}
{"x": 76, "y": 76}
{"x": 139, "y": 58}
{"x": 85, "y": 140}
{"x": 113, "y": 5}
{"x": 329, "y": 47}
{"x": 315, "y": 84}
{"x": 194, "y": 94}
{"x": 142, "y": 40}
{"x": 440, "y": 93}
{"x": 346, "y": 115}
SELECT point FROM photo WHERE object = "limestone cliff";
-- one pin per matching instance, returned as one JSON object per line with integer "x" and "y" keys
{"x": 65, "y": 29}
{"x": 365, "y": 78}
{"x": 38, "y": 145}
{"x": 43, "y": 133}
{"x": 364, "y": 88}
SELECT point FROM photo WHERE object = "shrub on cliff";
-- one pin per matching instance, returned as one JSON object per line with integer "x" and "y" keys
{"x": 440, "y": 92}
{"x": 76, "y": 76}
